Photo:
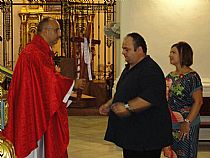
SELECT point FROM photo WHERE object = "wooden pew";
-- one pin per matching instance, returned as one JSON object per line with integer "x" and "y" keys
{"x": 205, "y": 111}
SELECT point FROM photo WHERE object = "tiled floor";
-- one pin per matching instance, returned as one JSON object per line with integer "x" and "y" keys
{"x": 86, "y": 139}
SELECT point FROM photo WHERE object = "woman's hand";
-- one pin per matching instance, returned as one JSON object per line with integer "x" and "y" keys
{"x": 184, "y": 130}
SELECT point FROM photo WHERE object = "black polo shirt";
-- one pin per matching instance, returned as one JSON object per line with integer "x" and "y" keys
{"x": 149, "y": 129}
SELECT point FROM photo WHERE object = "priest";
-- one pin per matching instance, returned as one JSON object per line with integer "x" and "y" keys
{"x": 38, "y": 96}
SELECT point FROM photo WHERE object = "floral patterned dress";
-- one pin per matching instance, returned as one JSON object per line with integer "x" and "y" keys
{"x": 179, "y": 94}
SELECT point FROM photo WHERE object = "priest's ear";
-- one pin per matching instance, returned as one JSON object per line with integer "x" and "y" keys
{"x": 57, "y": 69}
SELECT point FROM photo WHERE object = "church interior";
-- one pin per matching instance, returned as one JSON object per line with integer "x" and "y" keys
{"x": 100, "y": 26}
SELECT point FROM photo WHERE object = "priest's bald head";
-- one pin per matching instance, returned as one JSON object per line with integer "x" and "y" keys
{"x": 49, "y": 29}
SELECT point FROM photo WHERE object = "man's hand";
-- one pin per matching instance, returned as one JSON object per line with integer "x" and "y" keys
{"x": 104, "y": 109}
{"x": 80, "y": 84}
{"x": 120, "y": 110}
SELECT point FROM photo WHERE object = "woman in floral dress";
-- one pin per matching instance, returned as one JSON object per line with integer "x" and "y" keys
{"x": 184, "y": 93}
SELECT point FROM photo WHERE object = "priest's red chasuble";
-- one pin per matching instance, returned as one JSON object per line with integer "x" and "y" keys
{"x": 35, "y": 103}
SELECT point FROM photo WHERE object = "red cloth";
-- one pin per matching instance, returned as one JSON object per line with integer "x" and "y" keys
{"x": 35, "y": 103}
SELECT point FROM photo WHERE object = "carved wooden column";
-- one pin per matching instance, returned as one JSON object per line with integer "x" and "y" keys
{"x": 30, "y": 16}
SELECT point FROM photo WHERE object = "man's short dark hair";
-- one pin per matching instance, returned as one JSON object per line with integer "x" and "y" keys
{"x": 185, "y": 53}
{"x": 43, "y": 23}
{"x": 138, "y": 41}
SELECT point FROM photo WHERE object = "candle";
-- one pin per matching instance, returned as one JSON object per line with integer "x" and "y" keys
{"x": 2, "y": 114}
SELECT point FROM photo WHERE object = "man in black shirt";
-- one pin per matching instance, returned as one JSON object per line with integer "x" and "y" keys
{"x": 139, "y": 119}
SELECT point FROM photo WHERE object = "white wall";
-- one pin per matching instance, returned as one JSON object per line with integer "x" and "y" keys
{"x": 165, "y": 22}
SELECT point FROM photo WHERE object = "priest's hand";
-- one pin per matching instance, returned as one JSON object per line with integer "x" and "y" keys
{"x": 120, "y": 110}
{"x": 80, "y": 84}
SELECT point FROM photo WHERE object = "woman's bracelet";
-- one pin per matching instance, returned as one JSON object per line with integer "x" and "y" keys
{"x": 187, "y": 121}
